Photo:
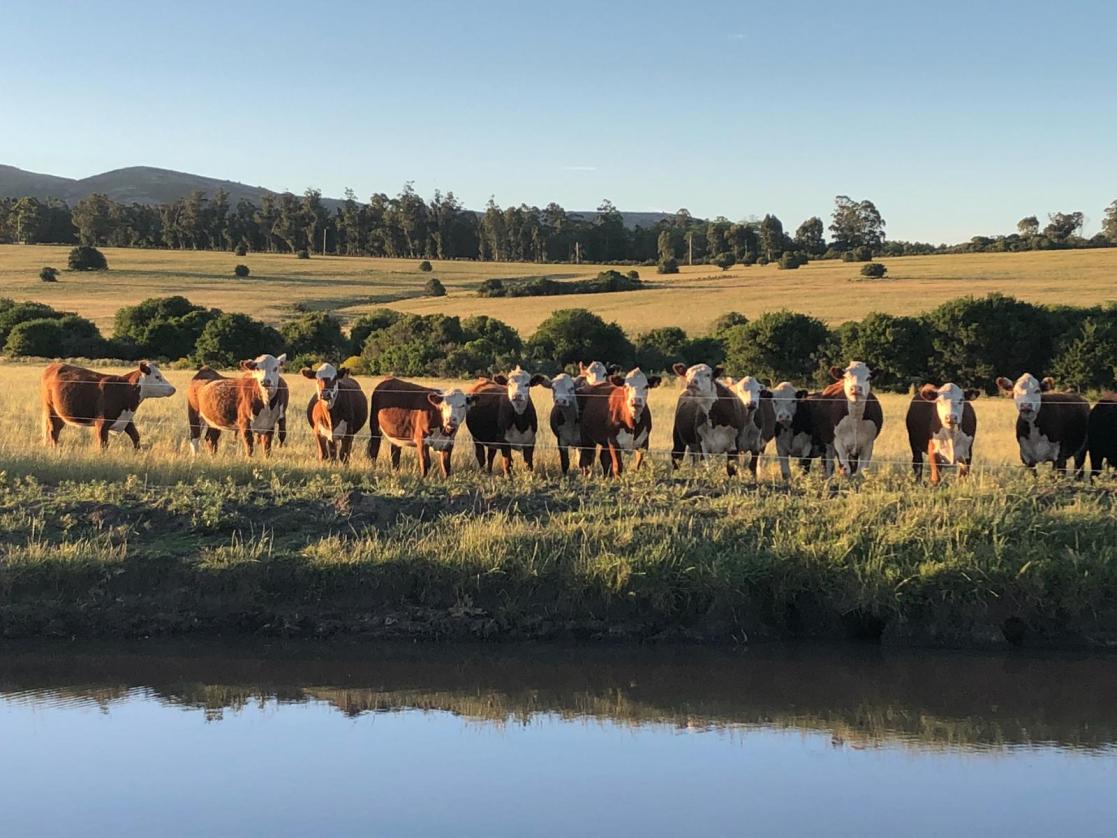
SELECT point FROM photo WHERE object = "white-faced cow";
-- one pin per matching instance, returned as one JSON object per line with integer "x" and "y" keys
{"x": 592, "y": 374}
{"x": 337, "y": 411}
{"x": 565, "y": 423}
{"x": 942, "y": 425}
{"x": 794, "y": 415}
{"x": 615, "y": 418}
{"x": 249, "y": 404}
{"x": 758, "y": 424}
{"x": 107, "y": 403}
{"x": 1102, "y": 435}
{"x": 1050, "y": 427}
{"x": 707, "y": 417}
{"x": 847, "y": 419}
{"x": 503, "y": 418}
{"x": 412, "y": 416}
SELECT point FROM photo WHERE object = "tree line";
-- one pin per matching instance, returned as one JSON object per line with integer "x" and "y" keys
{"x": 969, "y": 340}
{"x": 409, "y": 226}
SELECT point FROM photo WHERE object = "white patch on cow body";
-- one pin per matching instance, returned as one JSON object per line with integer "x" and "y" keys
{"x": 717, "y": 439}
{"x": 338, "y": 431}
{"x": 854, "y": 437}
{"x": 265, "y": 421}
{"x": 519, "y": 439}
{"x": 439, "y": 440}
{"x": 213, "y": 423}
{"x": 122, "y": 421}
{"x": 951, "y": 446}
{"x": 1037, "y": 448}
{"x": 399, "y": 442}
{"x": 627, "y": 441}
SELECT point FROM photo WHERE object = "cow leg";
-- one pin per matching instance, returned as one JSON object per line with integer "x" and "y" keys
{"x": 604, "y": 461}
{"x": 211, "y": 438}
{"x": 528, "y": 452}
{"x": 490, "y": 459}
{"x": 53, "y": 427}
{"x": 323, "y": 447}
{"x": 394, "y": 452}
{"x": 424, "y": 453}
{"x": 616, "y": 458}
{"x": 282, "y": 425}
{"x": 917, "y": 462}
{"x": 373, "y": 448}
{"x": 586, "y": 455}
{"x": 344, "y": 448}
{"x": 678, "y": 449}
{"x": 479, "y": 453}
{"x": 133, "y": 434}
{"x": 754, "y": 463}
{"x": 506, "y": 459}
{"x": 266, "y": 440}
{"x": 933, "y": 462}
{"x": 638, "y": 458}
{"x": 101, "y": 429}
{"x": 1061, "y": 466}
{"x": 564, "y": 459}
{"x": 444, "y": 461}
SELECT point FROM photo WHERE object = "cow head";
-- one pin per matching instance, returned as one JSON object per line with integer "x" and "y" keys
{"x": 699, "y": 379}
{"x": 152, "y": 383}
{"x": 785, "y": 402}
{"x": 326, "y": 378}
{"x": 518, "y": 384}
{"x": 1026, "y": 392}
{"x": 950, "y": 401}
{"x": 854, "y": 378}
{"x": 750, "y": 392}
{"x": 563, "y": 391}
{"x": 636, "y": 386}
{"x": 594, "y": 373}
{"x": 452, "y": 406}
{"x": 266, "y": 370}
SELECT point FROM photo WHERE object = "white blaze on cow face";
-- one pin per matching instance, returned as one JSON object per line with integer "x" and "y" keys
{"x": 785, "y": 402}
{"x": 452, "y": 405}
{"x": 266, "y": 370}
{"x": 152, "y": 383}
{"x": 748, "y": 390}
{"x": 700, "y": 380}
{"x": 855, "y": 380}
{"x": 519, "y": 390}
{"x": 562, "y": 391}
{"x": 326, "y": 377}
{"x": 1026, "y": 393}
{"x": 636, "y": 386}
{"x": 950, "y": 400}
{"x": 595, "y": 373}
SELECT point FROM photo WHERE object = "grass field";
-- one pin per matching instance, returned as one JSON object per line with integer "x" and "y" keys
{"x": 693, "y": 299}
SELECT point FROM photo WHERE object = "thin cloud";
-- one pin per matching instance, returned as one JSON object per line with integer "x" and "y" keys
{"x": 736, "y": 36}
{"x": 579, "y": 168}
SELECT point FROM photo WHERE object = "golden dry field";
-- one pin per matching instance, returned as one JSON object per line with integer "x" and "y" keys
{"x": 350, "y": 286}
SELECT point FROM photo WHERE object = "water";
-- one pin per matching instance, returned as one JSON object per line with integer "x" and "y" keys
{"x": 425, "y": 740}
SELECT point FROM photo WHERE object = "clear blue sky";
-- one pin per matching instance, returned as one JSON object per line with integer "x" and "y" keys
{"x": 955, "y": 118}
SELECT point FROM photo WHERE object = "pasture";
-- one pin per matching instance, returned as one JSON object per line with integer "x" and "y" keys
{"x": 692, "y": 299}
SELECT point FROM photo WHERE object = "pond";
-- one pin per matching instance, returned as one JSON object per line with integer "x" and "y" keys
{"x": 316, "y": 739}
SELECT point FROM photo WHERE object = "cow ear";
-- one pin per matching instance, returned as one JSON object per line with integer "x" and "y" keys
{"x": 719, "y": 371}
{"x": 616, "y": 380}
{"x": 539, "y": 380}
{"x": 1004, "y": 385}
{"x": 582, "y": 367}
{"x": 307, "y": 372}
{"x": 248, "y": 365}
{"x": 970, "y": 395}
{"x": 800, "y": 394}
{"x": 435, "y": 399}
{"x": 470, "y": 401}
{"x": 678, "y": 369}
{"x": 502, "y": 380}
{"x": 929, "y": 392}
{"x": 282, "y": 360}
{"x": 872, "y": 374}
{"x": 145, "y": 368}
{"x": 1047, "y": 384}
{"x": 837, "y": 373}
{"x": 343, "y": 372}
{"x": 654, "y": 381}
{"x": 765, "y": 393}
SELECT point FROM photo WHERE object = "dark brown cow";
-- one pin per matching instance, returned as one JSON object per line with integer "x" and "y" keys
{"x": 503, "y": 418}
{"x": 1050, "y": 427}
{"x": 708, "y": 417}
{"x": 942, "y": 424}
{"x": 412, "y": 416}
{"x": 336, "y": 412}
{"x": 794, "y": 415}
{"x": 614, "y": 418}
{"x": 565, "y": 422}
{"x": 249, "y": 404}
{"x": 847, "y": 419}
{"x": 107, "y": 403}
{"x": 277, "y": 406}
{"x": 1102, "y": 433}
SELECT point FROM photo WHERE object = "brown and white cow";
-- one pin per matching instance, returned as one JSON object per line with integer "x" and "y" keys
{"x": 593, "y": 373}
{"x": 942, "y": 425}
{"x": 794, "y": 415}
{"x": 615, "y": 418}
{"x": 249, "y": 404}
{"x": 274, "y": 417}
{"x": 107, "y": 403}
{"x": 1050, "y": 427}
{"x": 503, "y": 418}
{"x": 565, "y": 422}
{"x": 1102, "y": 433}
{"x": 758, "y": 423}
{"x": 709, "y": 418}
{"x": 847, "y": 419}
{"x": 412, "y": 416}
{"x": 336, "y": 412}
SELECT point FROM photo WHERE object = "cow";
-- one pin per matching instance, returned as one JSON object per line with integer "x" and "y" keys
{"x": 274, "y": 417}
{"x": 337, "y": 411}
{"x": 942, "y": 424}
{"x": 758, "y": 425}
{"x": 614, "y": 417}
{"x": 503, "y": 418}
{"x": 794, "y": 417}
{"x": 107, "y": 403}
{"x": 847, "y": 419}
{"x": 1102, "y": 433}
{"x": 1050, "y": 427}
{"x": 593, "y": 373}
{"x": 709, "y": 417}
{"x": 249, "y": 404}
{"x": 565, "y": 421}
{"x": 412, "y": 416}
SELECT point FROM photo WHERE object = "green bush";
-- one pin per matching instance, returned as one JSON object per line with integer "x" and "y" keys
{"x": 374, "y": 321}
{"x": 87, "y": 258}
{"x": 658, "y": 349}
{"x": 790, "y": 260}
{"x": 426, "y": 266}
{"x": 873, "y": 270}
{"x": 607, "y": 281}
{"x": 69, "y": 336}
{"x": 633, "y": 274}
{"x": 228, "y": 339}
{"x": 13, "y": 313}
{"x": 49, "y": 274}
{"x": 863, "y": 253}
{"x": 1087, "y": 358}
{"x": 779, "y": 345}
{"x": 726, "y": 322}
{"x": 571, "y": 335}
{"x": 241, "y": 250}
{"x": 160, "y": 328}
{"x": 670, "y": 265}
{"x": 240, "y": 271}
{"x": 897, "y": 349}
{"x": 725, "y": 261}
{"x": 434, "y": 288}
{"x": 302, "y": 254}
{"x": 414, "y": 345}
{"x": 762, "y": 260}
{"x": 317, "y": 336}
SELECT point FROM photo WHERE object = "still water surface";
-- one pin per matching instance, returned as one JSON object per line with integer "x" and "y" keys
{"x": 154, "y": 739}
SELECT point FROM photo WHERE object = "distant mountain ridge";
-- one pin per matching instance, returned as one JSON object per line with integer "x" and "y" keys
{"x": 151, "y": 185}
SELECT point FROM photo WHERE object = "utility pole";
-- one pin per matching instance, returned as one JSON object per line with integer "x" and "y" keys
{"x": 577, "y": 253}
{"x": 323, "y": 241}
{"x": 690, "y": 248}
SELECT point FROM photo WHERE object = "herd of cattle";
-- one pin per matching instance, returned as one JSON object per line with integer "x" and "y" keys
{"x": 598, "y": 414}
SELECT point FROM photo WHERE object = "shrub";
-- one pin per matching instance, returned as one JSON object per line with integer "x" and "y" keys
{"x": 317, "y": 336}
{"x": 229, "y": 338}
{"x": 571, "y": 335}
{"x": 749, "y": 260}
{"x": 873, "y": 270}
{"x": 374, "y": 321}
{"x": 789, "y": 260}
{"x": 413, "y": 345}
{"x": 64, "y": 337}
{"x": 356, "y": 365}
{"x": 434, "y": 288}
{"x": 897, "y": 349}
{"x": 87, "y": 258}
{"x": 1088, "y": 357}
{"x": 762, "y": 260}
{"x": 670, "y": 265}
{"x": 862, "y": 253}
{"x": 49, "y": 274}
{"x": 633, "y": 274}
{"x": 302, "y": 254}
{"x": 425, "y": 266}
{"x": 658, "y": 349}
{"x": 160, "y": 327}
{"x": 492, "y": 288}
{"x": 725, "y": 261}
{"x": 241, "y": 250}
{"x": 778, "y": 345}
{"x": 504, "y": 340}
{"x": 13, "y": 313}
{"x": 240, "y": 271}
{"x": 726, "y": 322}
{"x": 541, "y": 286}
